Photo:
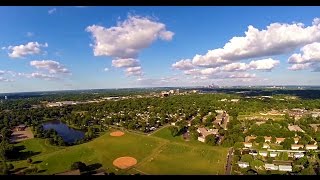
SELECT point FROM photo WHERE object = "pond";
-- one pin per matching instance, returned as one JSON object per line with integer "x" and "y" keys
{"x": 68, "y": 134}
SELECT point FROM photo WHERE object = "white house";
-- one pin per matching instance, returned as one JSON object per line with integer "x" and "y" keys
{"x": 311, "y": 147}
{"x": 266, "y": 146}
{"x": 296, "y": 140}
{"x": 267, "y": 138}
{"x": 298, "y": 155}
{"x": 285, "y": 168}
{"x": 271, "y": 167}
{"x": 247, "y": 144}
{"x": 273, "y": 154}
{"x": 280, "y": 140}
{"x": 243, "y": 164}
{"x": 201, "y": 139}
{"x": 263, "y": 153}
{"x": 296, "y": 146}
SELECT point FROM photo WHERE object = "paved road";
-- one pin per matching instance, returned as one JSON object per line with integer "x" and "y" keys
{"x": 229, "y": 160}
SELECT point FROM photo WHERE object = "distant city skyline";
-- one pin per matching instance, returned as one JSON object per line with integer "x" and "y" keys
{"x": 70, "y": 48}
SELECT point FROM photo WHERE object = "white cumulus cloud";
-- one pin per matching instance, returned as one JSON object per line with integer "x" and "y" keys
{"x": 134, "y": 71}
{"x": 24, "y": 50}
{"x": 128, "y": 62}
{"x": 183, "y": 64}
{"x": 308, "y": 58}
{"x": 277, "y": 38}
{"x": 53, "y": 67}
{"x": 264, "y": 64}
{"x": 128, "y": 38}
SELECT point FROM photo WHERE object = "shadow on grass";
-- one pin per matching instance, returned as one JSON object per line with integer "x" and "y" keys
{"x": 18, "y": 154}
{"x": 92, "y": 169}
{"x": 18, "y": 169}
{"x": 42, "y": 170}
{"x": 36, "y": 162}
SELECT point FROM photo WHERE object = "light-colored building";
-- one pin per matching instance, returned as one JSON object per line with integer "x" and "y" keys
{"x": 249, "y": 138}
{"x": 267, "y": 138}
{"x": 311, "y": 147}
{"x": 280, "y": 140}
{"x": 243, "y": 164}
{"x": 296, "y": 146}
{"x": 295, "y": 128}
{"x": 273, "y": 154}
{"x": 234, "y": 100}
{"x": 247, "y": 144}
{"x": 219, "y": 111}
{"x": 266, "y": 146}
{"x": 315, "y": 114}
{"x": 271, "y": 167}
{"x": 315, "y": 126}
{"x": 298, "y": 155}
{"x": 285, "y": 168}
{"x": 204, "y": 132}
{"x": 296, "y": 140}
{"x": 263, "y": 153}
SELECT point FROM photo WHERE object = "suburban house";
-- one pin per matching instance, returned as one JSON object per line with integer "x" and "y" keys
{"x": 265, "y": 146}
{"x": 295, "y": 128}
{"x": 219, "y": 111}
{"x": 311, "y": 147}
{"x": 296, "y": 146}
{"x": 263, "y": 153}
{"x": 280, "y": 140}
{"x": 273, "y": 154}
{"x": 249, "y": 138}
{"x": 315, "y": 114}
{"x": 247, "y": 144}
{"x": 271, "y": 167}
{"x": 315, "y": 126}
{"x": 267, "y": 138}
{"x": 296, "y": 140}
{"x": 218, "y": 119}
{"x": 253, "y": 152}
{"x": 204, "y": 132}
{"x": 298, "y": 155}
{"x": 285, "y": 168}
{"x": 243, "y": 164}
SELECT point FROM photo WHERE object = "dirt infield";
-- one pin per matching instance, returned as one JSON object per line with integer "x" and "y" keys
{"x": 117, "y": 133}
{"x": 124, "y": 162}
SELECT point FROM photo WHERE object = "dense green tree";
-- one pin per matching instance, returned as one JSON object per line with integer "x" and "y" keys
{"x": 211, "y": 140}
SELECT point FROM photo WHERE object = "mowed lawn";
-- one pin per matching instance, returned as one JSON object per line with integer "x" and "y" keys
{"x": 155, "y": 155}
{"x": 185, "y": 157}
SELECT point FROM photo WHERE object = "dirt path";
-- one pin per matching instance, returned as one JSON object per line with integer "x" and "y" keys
{"x": 229, "y": 159}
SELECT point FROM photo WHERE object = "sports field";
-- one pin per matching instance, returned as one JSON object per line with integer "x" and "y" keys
{"x": 156, "y": 154}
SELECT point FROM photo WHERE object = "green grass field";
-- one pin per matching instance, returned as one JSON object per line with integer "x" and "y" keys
{"x": 156, "y": 154}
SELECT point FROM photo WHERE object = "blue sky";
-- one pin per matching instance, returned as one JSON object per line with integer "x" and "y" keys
{"x": 57, "y": 48}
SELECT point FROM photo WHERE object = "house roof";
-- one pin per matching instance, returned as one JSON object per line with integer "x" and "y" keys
{"x": 296, "y": 145}
{"x": 295, "y": 128}
{"x": 249, "y": 138}
{"x": 206, "y": 132}
{"x": 267, "y": 138}
{"x": 311, "y": 145}
{"x": 241, "y": 162}
{"x": 280, "y": 139}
